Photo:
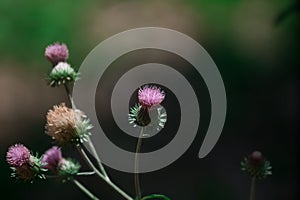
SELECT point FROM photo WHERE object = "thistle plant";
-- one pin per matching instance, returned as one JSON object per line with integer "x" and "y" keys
{"x": 257, "y": 167}
{"x": 148, "y": 98}
{"x": 69, "y": 126}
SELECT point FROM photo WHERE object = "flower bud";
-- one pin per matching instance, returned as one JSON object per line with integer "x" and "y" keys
{"x": 256, "y": 159}
{"x": 51, "y": 159}
{"x": 62, "y": 73}
{"x": 256, "y": 165}
{"x": 68, "y": 167}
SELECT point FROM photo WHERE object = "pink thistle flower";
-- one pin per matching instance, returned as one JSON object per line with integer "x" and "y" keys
{"x": 56, "y": 53}
{"x": 150, "y": 96}
{"x": 18, "y": 155}
{"x": 51, "y": 158}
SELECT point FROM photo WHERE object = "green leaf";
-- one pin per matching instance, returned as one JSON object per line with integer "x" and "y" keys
{"x": 156, "y": 196}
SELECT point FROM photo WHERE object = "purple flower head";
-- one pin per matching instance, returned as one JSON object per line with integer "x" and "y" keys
{"x": 150, "y": 96}
{"x": 256, "y": 159}
{"x": 56, "y": 53}
{"x": 51, "y": 158}
{"x": 17, "y": 155}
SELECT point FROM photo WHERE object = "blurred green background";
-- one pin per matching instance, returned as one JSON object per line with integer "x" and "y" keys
{"x": 254, "y": 44}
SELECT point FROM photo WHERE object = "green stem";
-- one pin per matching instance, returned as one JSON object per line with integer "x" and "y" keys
{"x": 85, "y": 173}
{"x": 101, "y": 167}
{"x": 84, "y": 189}
{"x": 89, "y": 162}
{"x": 136, "y": 166}
{"x": 91, "y": 145}
{"x": 78, "y": 174}
{"x": 52, "y": 176}
{"x": 252, "y": 189}
{"x": 70, "y": 96}
{"x": 156, "y": 196}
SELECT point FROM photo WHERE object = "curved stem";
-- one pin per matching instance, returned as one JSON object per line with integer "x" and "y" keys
{"x": 89, "y": 162}
{"x": 156, "y": 196}
{"x": 252, "y": 189}
{"x": 91, "y": 145}
{"x": 84, "y": 189}
{"x": 136, "y": 166}
{"x": 97, "y": 157}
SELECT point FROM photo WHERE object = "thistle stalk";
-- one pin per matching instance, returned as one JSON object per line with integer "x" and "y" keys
{"x": 84, "y": 189}
{"x": 136, "y": 166}
{"x": 252, "y": 189}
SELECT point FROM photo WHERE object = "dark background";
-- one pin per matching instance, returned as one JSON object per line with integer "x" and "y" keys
{"x": 254, "y": 44}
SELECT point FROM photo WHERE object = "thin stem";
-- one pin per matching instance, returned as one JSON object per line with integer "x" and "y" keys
{"x": 252, "y": 189}
{"x": 70, "y": 96}
{"x": 136, "y": 166}
{"x": 97, "y": 158}
{"x": 89, "y": 162}
{"x": 89, "y": 140}
{"x": 84, "y": 189}
{"x": 85, "y": 173}
{"x": 52, "y": 176}
{"x": 78, "y": 174}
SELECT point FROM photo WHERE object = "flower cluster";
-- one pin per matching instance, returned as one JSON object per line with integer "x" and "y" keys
{"x": 70, "y": 126}
{"x": 65, "y": 125}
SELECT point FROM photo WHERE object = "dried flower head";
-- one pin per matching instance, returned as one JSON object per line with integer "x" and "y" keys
{"x": 51, "y": 158}
{"x": 256, "y": 165}
{"x": 62, "y": 73}
{"x": 18, "y": 155}
{"x": 56, "y": 53}
{"x": 150, "y": 96}
{"x": 66, "y": 125}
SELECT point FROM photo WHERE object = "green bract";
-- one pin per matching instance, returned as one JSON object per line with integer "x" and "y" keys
{"x": 156, "y": 196}
{"x": 68, "y": 167}
{"x": 83, "y": 131}
{"x": 31, "y": 171}
{"x": 256, "y": 171}
{"x": 139, "y": 115}
{"x": 62, "y": 73}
